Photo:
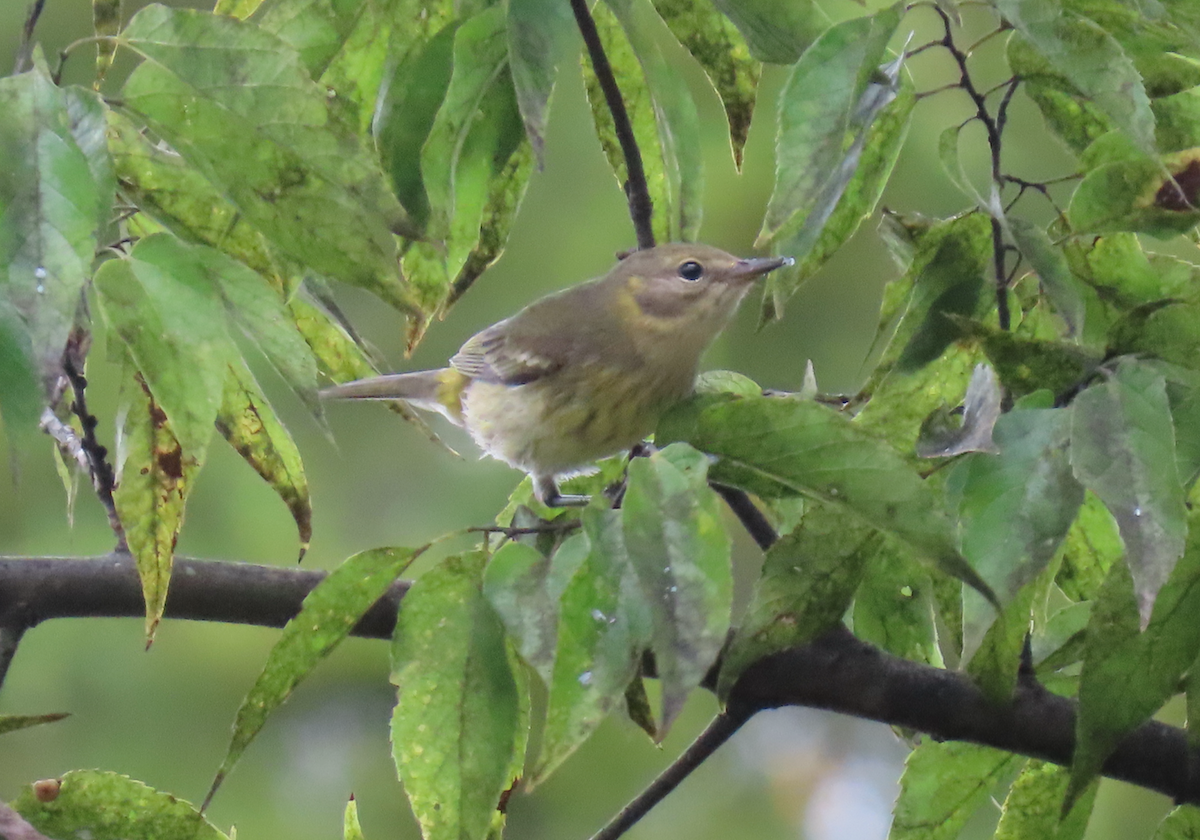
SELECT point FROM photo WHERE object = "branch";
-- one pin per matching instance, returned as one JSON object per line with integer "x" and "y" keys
{"x": 723, "y": 727}
{"x": 837, "y": 671}
{"x": 13, "y": 827}
{"x": 843, "y": 674}
{"x": 25, "y": 50}
{"x": 636, "y": 188}
{"x": 35, "y": 590}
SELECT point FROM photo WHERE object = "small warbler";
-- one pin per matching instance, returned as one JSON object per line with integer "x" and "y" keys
{"x": 586, "y": 372}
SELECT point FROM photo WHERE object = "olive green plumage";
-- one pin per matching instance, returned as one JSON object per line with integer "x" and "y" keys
{"x": 586, "y": 372}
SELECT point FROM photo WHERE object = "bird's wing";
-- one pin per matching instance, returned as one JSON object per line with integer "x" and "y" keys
{"x": 507, "y": 354}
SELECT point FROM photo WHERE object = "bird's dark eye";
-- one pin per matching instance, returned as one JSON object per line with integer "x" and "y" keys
{"x": 691, "y": 271}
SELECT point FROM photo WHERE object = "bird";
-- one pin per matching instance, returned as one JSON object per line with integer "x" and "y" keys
{"x": 586, "y": 372}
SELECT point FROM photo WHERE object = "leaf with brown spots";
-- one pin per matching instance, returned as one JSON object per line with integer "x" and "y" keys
{"x": 250, "y": 424}
{"x": 153, "y": 482}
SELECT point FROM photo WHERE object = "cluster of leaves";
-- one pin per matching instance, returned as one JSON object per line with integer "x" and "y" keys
{"x": 256, "y": 154}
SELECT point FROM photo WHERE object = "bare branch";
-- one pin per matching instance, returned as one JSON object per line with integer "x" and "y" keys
{"x": 14, "y": 827}
{"x": 636, "y": 188}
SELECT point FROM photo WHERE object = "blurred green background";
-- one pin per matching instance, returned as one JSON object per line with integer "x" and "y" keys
{"x": 163, "y": 716}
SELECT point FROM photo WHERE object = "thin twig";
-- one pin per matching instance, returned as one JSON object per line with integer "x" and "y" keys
{"x": 103, "y": 478}
{"x": 751, "y": 517}
{"x": 25, "y": 51}
{"x": 721, "y": 729}
{"x": 11, "y": 632}
{"x": 636, "y": 189}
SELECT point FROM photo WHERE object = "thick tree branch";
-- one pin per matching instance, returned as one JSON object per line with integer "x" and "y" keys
{"x": 636, "y": 188}
{"x": 836, "y": 672}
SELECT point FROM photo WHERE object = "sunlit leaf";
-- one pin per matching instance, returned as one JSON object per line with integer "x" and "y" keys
{"x": 250, "y": 425}
{"x": 107, "y": 806}
{"x": 943, "y": 785}
{"x": 326, "y": 617}
{"x": 457, "y": 725}
{"x": 716, "y": 43}
{"x": 1033, "y": 808}
{"x": 236, "y": 103}
{"x": 351, "y": 827}
{"x": 155, "y": 474}
{"x": 316, "y": 29}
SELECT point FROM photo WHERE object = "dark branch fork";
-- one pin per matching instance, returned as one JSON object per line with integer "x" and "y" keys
{"x": 837, "y": 671}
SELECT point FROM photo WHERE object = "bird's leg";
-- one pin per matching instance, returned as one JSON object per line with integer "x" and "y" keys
{"x": 546, "y": 490}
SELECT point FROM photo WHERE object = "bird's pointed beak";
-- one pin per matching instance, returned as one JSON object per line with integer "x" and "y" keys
{"x": 755, "y": 267}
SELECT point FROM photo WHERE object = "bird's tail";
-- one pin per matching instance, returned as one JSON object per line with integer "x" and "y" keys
{"x": 433, "y": 390}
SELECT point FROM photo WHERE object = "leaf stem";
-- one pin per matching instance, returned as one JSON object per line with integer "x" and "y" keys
{"x": 637, "y": 191}
{"x": 751, "y": 517}
{"x": 25, "y": 50}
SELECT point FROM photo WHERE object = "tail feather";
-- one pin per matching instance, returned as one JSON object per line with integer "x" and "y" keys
{"x": 433, "y": 390}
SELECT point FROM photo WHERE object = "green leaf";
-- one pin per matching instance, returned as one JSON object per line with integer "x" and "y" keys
{"x": 808, "y": 579}
{"x": 351, "y": 827}
{"x": 943, "y": 785}
{"x": 55, "y": 200}
{"x": 1123, "y": 450}
{"x": 524, "y": 587}
{"x": 1183, "y": 823}
{"x": 237, "y": 104}
{"x": 540, "y": 39}
{"x": 107, "y": 806}
{"x": 162, "y": 304}
{"x": 774, "y": 446}
{"x": 155, "y": 473}
{"x": 177, "y": 196}
{"x": 893, "y": 606}
{"x": 1069, "y": 115}
{"x": 261, "y": 313}
{"x": 480, "y": 53}
{"x": 1026, "y": 365}
{"x": 249, "y": 423}
{"x": 814, "y": 244}
{"x": 20, "y": 394}
{"x": 326, "y": 617}
{"x": 720, "y": 49}
{"x": 457, "y": 726}
{"x": 1093, "y": 544}
{"x": 604, "y": 626}
{"x": 676, "y": 119}
{"x": 1128, "y": 675}
{"x": 776, "y": 32}
{"x": 11, "y": 723}
{"x": 946, "y": 278}
{"x": 1091, "y": 59}
{"x": 831, "y": 96}
{"x": 315, "y": 29}
{"x": 408, "y": 104}
{"x": 1132, "y": 193}
{"x": 1013, "y": 509}
{"x": 679, "y": 550}
{"x": 1033, "y": 808}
